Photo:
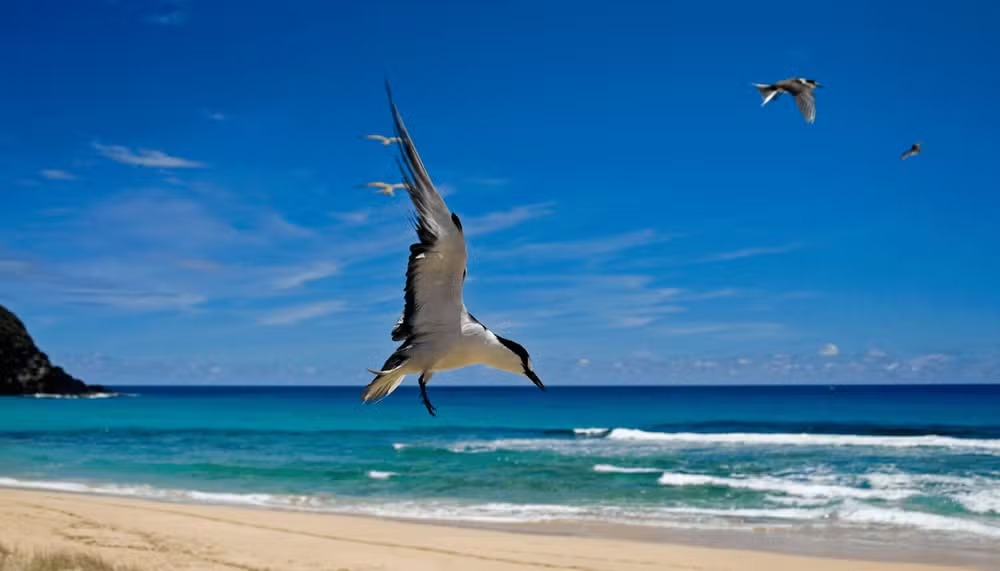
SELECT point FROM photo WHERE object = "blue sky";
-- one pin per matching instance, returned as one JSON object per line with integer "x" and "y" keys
{"x": 179, "y": 186}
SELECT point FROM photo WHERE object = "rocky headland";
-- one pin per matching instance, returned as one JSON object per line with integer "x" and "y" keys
{"x": 26, "y": 370}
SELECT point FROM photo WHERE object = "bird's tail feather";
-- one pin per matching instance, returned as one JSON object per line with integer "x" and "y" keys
{"x": 767, "y": 92}
{"x": 383, "y": 384}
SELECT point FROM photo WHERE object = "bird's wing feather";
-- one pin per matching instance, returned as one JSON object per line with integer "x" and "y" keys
{"x": 387, "y": 379}
{"x": 767, "y": 92}
{"x": 434, "y": 275}
{"x": 807, "y": 105}
{"x": 790, "y": 85}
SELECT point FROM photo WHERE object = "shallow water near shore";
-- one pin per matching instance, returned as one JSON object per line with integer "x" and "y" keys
{"x": 903, "y": 466}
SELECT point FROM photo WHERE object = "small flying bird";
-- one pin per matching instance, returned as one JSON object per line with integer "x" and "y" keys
{"x": 801, "y": 89}
{"x": 913, "y": 150}
{"x": 382, "y": 139}
{"x": 388, "y": 189}
{"x": 437, "y": 331}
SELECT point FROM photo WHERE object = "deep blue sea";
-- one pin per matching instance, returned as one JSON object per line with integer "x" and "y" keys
{"x": 899, "y": 461}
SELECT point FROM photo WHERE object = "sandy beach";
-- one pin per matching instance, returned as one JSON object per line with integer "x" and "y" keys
{"x": 150, "y": 535}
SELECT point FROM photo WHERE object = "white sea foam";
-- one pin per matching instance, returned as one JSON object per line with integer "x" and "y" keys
{"x": 90, "y": 396}
{"x": 380, "y": 475}
{"x": 687, "y": 517}
{"x": 852, "y": 512}
{"x": 749, "y": 513}
{"x": 610, "y": 469}
{"x": 797, "y": 502}
{"x": 889, "y": 480}
{"x": 747, "y": 439}
{"x": 782, "y": 486}
{"x": 866, "y": 514}
{"x": 983, "y": 501}
{"x": 397, "y": 446}
{"x": 168, "y": 494}
{"x": 481, "y": 447}
{"x": 979, "y": 493}
{"x": 642, "y": 440}
{"x": 483, "y": 513}
{"x": 591, "y": 431}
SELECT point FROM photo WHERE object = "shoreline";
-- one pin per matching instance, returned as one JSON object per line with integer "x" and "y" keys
{"x": 160, "y": 534}
{"x": 893, "y": 546}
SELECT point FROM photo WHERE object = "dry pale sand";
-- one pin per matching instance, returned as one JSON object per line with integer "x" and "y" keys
{"x": 153, "y": 535}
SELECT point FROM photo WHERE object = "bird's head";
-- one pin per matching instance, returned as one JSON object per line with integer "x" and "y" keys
{"x": 811, "y": 83}
{"x": 516, "y": 360}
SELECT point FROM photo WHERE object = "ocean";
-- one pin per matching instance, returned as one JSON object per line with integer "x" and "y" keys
{"x": 891, "y": 463}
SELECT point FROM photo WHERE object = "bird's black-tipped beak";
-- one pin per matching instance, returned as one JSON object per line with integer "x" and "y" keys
{"x": 534, "y": 378}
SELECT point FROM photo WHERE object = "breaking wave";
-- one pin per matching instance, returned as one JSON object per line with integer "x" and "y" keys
{"x": 783, "y": 486}
{"x": 591, "y": 431}
{"x": 751, "y": 439}
{"x": 611, "y": 469}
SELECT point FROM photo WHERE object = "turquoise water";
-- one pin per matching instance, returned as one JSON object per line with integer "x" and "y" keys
{"x": 898, "y": 461}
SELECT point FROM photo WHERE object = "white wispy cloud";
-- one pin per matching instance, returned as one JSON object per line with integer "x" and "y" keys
{"x": 134, "y": 300}
{"x": 501, "y": 220}
{"x": 170, "y": 13}
{"x": 153, "y": 249}
{"x": 57, "y": 174}
{"x": 572, "y": 249}
{"x": 216, "y": 116}
{"x": 15, "y": 268}
{"x": 829, "y": 350}
{"x": 633, "y": 321}
{"x": 874, "y": 354}
{"x": 95, "y": 287}
{"x": 752, "y": 253}
{"x": 302, "y": 276}
{"x": 748, "y": 329}
{"x": 354, "y": 217}
{"x": 930, "y": 360}
{"x": 714, "y": 294}
{"x": 159, "y": 219}
{"x": 277, "y": 224}
{"x": 299, "y": 313}
{"x": 145, "y": 157}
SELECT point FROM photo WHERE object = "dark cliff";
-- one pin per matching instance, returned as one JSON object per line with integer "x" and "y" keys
{"x": 24, "y": 369}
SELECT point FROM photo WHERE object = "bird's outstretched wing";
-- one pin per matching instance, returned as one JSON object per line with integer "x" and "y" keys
{"x": 434, "y": 275}
{"x": 807, "y": 104}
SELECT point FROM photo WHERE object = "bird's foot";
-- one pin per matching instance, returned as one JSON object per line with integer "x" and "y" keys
{"x": 427, "y": 402}
{"x": 430, "y": 408}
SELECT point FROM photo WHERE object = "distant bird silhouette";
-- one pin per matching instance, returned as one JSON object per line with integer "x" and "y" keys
{"x": 382, "y": 139}
{"x": 914, "y": 150}
{"x": 800, "y": 88}
{"x": 386, "y": 188}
